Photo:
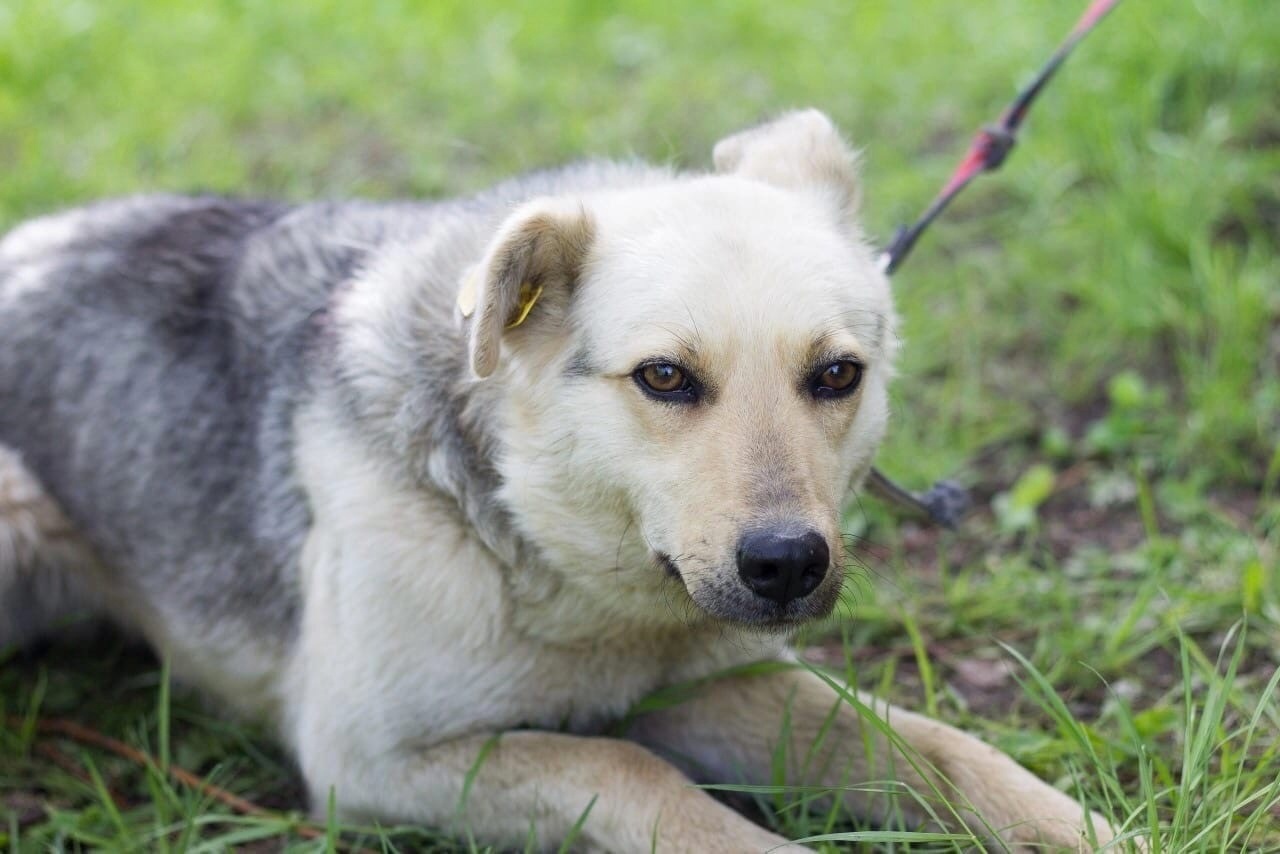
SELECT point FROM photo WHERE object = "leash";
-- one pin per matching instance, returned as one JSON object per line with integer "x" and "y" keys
{"x": 947, "y": 501}
{"x": 991, "y": 146}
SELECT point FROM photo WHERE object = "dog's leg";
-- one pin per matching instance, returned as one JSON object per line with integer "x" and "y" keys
{"x": 537, "y": 785}
{"x": 40, "y": 555}
{"x": 730, "y": 732}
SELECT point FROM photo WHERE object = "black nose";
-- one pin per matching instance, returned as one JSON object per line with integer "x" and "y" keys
{"x": 783, "y": 565}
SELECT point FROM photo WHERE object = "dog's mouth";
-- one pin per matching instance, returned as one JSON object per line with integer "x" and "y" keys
{"x": 669, "y": 567}
{"x": 732, "y": 602}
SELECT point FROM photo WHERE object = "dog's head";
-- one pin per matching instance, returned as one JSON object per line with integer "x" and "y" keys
{"x": 700, "y": 380}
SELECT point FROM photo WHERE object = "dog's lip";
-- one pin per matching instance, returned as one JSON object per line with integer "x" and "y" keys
{"x": 669, "y": 566}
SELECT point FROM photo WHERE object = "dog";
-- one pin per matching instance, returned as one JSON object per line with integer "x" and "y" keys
{"x": 441, "y": 491}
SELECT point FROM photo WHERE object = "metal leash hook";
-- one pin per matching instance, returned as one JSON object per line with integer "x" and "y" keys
{"x": 948, "y": 501}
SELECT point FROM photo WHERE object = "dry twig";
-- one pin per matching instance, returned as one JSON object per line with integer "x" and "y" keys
{"x": 86, "y": 735}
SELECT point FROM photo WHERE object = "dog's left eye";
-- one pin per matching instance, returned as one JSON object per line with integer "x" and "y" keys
{"x": 665, "y": 381}
{"x": 837, "y": 379}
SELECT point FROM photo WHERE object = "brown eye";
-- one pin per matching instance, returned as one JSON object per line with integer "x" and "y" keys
{"x": 662, "y": 377}
{"x": 665, "y": 381}
{"x": 837, "y": 379}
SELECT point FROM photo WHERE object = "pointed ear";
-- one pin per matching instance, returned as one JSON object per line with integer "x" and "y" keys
{"x": 531, "y": 264}
{"x": 801, "y": 150}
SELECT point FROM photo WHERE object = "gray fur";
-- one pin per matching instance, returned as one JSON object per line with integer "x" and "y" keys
{"x": 581, "y": 364}
{"x": 150, "y": 377}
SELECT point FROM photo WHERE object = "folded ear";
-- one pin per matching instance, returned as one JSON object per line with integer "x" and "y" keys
{"x": 801, "y": 150}
{"x": 531, "y": 264}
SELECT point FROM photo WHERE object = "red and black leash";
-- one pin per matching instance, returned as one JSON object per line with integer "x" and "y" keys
{"x": 992, "y": 144}
{"x": 947, "y": 501}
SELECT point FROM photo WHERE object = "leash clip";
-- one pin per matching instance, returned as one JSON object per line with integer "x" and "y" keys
{"x": 997, "y": 142}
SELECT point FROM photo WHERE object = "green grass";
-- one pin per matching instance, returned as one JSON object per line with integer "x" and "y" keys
{"x": 1092, "y": 340}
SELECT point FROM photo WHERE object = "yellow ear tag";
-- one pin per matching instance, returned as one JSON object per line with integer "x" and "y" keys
{"x": 529, "y": 294}
{"x": 467, "y": 296}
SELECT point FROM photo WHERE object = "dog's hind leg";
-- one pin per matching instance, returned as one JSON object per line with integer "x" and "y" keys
{"x": 41, "y": 557}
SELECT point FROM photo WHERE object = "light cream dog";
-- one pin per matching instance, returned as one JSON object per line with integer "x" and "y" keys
{"x": 534, "y": 456}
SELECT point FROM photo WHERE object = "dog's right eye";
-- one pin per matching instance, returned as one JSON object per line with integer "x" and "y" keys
{"x": 665, "y": 381}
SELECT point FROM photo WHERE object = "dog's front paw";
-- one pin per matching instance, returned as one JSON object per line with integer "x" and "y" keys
{"x": 1062, "y": 834}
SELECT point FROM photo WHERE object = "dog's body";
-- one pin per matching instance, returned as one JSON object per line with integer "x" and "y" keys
{"x": 266, "y": 438}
